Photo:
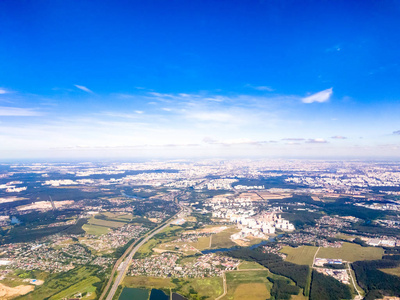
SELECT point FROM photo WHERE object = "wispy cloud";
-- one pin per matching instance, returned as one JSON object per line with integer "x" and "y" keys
{"x": 17, "y": 112}
{"x": 397, "y": 132}
{"x": 293, "y": 139}
{"x": 232, "y": 142}
{"x": 316, "y": 141}
{"x": 261, "y": 87}
{"x": 3, "y": 91}
{"x": 339, "y": 137}
{"x": 83, "y": 88}
{"x": 320, "y": 97}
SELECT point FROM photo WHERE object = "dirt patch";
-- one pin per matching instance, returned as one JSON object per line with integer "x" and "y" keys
{"x": 9, "y": 292}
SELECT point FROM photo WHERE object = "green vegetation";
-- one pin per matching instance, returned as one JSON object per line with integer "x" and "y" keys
{"x": 282, "y": 289}
{"x": 200, "y": 288}
{"x": 21, "y": 234}
{"x": 195, "y": 288}
{"x": 148, "y": 282}
{"x": 250, "y": 265}
{"x": 94, "y": 229}
{"x": 392, "y": 271}
{"x": 326, "y": 287}
{"x": 254, "y": 284}
{"x": 202, "y": 243}
{"x": 351, "y": 252}
{"x": 85, "y": 286}
{"x": 85, "y": 278}
{"x": 374, "y": 281}
{"x": 302, "y": 255}
{"x": 223, "y": 238}
{"x": 105, "y": 223}
{"x": 297, "y": 273}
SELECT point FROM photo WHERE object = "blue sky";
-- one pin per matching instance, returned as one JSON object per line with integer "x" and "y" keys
{"x": 199, "y": 78}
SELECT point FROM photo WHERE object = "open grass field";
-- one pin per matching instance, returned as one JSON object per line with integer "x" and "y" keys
{"x": 223, "y": 239}
{"x": 251, "y": 291}
{"x": 351, "y": 252}
{"x": 94, "y": 229}
{"x": 202, "y": 243}
{"x": 250, "y": 265}
{"x": 118, "y": 217}
{"x": 300, "y": 296}
{"x": 302, "y": 255}
{"x": 105, "y": 223}
{"x": 147, "y": 248}
{"x": 210, "y": 288}
{"x": 84, "y": 286}
{"x": 240, "y": 283}
{"x": 147, "y": 282}
{"x": 392, "y": 271}
{"x": 57, "y": 283}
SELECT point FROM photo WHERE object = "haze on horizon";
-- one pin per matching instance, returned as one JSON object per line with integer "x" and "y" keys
{"x": 82, "y": 79}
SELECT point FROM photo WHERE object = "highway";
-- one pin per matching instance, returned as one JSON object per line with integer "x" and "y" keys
{"x": 125, "y": 264}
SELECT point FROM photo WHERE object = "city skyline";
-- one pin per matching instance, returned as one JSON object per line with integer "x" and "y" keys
{"x": 201, "y": 79}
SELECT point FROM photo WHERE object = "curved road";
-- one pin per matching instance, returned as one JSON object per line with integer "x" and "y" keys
{"x": 125, "y": 264}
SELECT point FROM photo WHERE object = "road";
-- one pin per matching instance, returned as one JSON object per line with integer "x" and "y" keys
{"x": 354, "y": 284}
{"x": 225, "y": 287}
{"x": 125, "y": 264}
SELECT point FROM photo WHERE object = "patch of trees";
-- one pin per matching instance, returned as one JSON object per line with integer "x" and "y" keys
{"x": 373, "y": 280}
{"x": 360, "y": 242}
{"x": 203, "y": 218}
{"x": 335, "y": 266}
{"x": 19, "y": 234}
{"x": 275, "y": 264}
{"x": 300, "y": 219}
{"x": 326, "y": 287}
{"x": 282, "y": 289}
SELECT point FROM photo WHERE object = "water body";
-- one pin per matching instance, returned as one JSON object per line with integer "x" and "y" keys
{"x": 15, "y": 221}
{"x": 134, "y": 294}
{"x": 158, "y": 295}
{"x": 271, "y": 239}
{"x": 176, "y": 296}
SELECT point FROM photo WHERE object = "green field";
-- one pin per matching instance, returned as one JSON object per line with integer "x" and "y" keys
{"x": 95, "y": 230}
{"x": 254, "y": 284}
{"x": 106, "y": 223}
{"x": 250, "y": 265}
{"x": 223, "y": 239}
{"x": 84, "y": 286}
{"x": 210, "y": 288}
{"x": 351, "y": 252}
{"x": 202, "y": 243}
{"x": 148, "y": 282}
{"x": 68, "y": 281}
{"x": 146, "y": 249}
{"x": 302, "y": 255}
{"x": 392, "y": 271}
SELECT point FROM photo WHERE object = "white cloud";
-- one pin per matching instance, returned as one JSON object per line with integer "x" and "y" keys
{"x": 320, "y": 97}
{"x": 316, "y": 141}
{"x": 293, "y": 139}
{"x": 83, "y": 88}
{"x": 17, "y": 112}
{"x": 339, "y": 137}
{"x": 397, "y": 132}
{"x": 3, "y": 91}
{"x": 208, "y": 116}
{"x": 264, "y": 88}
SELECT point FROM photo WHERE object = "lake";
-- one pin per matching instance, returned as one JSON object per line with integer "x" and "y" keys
{"x": 134, "y": 294}
{"x": 158, "y": 295}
